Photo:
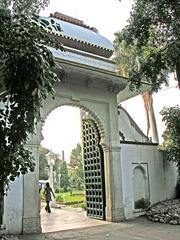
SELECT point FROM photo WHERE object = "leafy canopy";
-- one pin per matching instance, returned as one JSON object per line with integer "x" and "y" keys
{"x": 128, "y": 58}
{"x": 76, "y": 168}
{"x": 75, "y": 157}
{"x": 155, "y": 27}
{"x": 171, "y": 136}
{"x": 43, "y": 164}
{"x": 26, "y": 79}
{"x": 64, "y": 178}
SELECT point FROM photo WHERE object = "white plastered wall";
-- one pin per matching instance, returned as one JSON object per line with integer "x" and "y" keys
{"x": 102, "y": 107}
{"x": 13, "y": 207}
{"x": 21, "y": 205}
{"x": 160, "y": 175}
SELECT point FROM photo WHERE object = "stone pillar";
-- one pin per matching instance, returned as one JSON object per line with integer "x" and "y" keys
{"x": 13, "y": 207}
{"x": 113, "y": 171}
{"x": 113, "y": 184}
{"x": 31, "y": 214}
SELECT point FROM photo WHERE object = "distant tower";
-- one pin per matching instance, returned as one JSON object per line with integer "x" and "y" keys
{"x": 63, "y": 158}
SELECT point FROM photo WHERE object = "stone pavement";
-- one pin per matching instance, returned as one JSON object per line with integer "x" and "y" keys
{"x": 65, "y": 218}
{"x": 134, "y": 229}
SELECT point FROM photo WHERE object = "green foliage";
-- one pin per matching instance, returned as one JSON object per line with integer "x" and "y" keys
{"x": 76, "y": 169}
{"x": 43, "y": 164}
{"x": 26, "y": 79}
{"x": 171, "y": 136}
{"x": 83, "y": 206}
{"x": 69, "y": 198}
{"x": 74, "y": 198}
{"x": 56, "y": 169}
{"x": 64, "y": 178}
{"x": 154, "y": 26}
{"x": 77, "y": 177}
{"x": 142, "y": 204}
{"x": 178, "y": 189}
{"x": 127, "y": 56}
{"x": 75, "y": 157}
{"x": 29, "y": 6}
{"x": 41, "y": 195}
{"x": 59, "y": 198}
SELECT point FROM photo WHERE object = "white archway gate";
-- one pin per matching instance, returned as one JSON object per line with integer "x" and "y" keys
{"x": 94, "y": 90}
{"x": 90, "y": 82}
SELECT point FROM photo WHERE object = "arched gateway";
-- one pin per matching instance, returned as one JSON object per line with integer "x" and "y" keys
{"x": 91, "y": 83}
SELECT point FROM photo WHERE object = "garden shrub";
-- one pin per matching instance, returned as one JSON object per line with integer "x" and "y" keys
{"x": 59, "y": 198}
{"x": 142, "y": 203}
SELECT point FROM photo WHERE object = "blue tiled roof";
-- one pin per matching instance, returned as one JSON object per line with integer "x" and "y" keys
{"x": 81, "y": 34}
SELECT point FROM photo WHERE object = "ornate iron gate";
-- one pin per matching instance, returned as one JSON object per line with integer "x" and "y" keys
{"x": 93, "y": 170}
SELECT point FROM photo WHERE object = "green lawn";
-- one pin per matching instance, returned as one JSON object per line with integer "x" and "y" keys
{"x": 71, "y": 197}
{"x": 74, "y": 198}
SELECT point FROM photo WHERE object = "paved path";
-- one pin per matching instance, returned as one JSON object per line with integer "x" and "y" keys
{"x": 66, "y": 218}
{"x": 135, "y": 229}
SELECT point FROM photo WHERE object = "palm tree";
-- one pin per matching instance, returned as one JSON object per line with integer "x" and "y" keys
{"x": 150, "y": 116}
{"x": 126, "y": 57}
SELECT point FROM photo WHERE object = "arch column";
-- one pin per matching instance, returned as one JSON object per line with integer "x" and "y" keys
{"x": 113, "y": 184}
{"x": 31, "y": 222}
{"x": 103, "y": 109}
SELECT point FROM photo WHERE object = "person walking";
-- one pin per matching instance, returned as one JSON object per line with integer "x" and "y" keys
{"x": 48, "y": 191}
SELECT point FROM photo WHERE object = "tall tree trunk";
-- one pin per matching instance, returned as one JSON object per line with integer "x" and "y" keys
{"x": 150, "y": 116}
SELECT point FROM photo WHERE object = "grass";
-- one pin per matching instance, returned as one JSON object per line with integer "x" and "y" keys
{"x": 71, "y": 197}
{"x": 74, "y": 198}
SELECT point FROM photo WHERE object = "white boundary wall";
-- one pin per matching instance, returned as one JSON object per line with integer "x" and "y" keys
{"x": 160, "y": 175}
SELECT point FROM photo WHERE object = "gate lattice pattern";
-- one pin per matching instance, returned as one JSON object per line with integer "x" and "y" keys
{"x": 93, "y": 170}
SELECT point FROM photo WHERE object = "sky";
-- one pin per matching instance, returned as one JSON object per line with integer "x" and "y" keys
{"x": 108, "y": 16}
{"x": 168, "y": 96}
{"x": 61, "y": 131}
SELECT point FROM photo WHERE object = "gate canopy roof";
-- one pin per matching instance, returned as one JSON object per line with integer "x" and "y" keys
{"x": 76, "y": 34}
{"x": 86, "y": 57}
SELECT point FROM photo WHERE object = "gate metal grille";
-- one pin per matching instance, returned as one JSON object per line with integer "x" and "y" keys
{"x": 93, "y": 170}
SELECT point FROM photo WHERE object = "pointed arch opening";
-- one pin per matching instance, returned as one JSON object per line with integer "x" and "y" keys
{"x": 69, "y": 122}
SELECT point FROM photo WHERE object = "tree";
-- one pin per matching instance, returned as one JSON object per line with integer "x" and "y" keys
{"x": 75, "y": 157}
{"x": 127, "y": 56}
{"x": 154, "y": 26}
{"x": 150, "y": 116}
{"x": 57, "y": 170}
{"x": 64, "y": 178}
{"x": 43, "y": 164}
{"x": 26, "y": 78}
{"x": 171, "y": 136}
{"x": 76, "y": 168}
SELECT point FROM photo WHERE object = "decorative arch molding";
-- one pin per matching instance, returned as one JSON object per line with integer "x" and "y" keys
{"x": 140, "y": 167}
{"x": 50, "y": 105}
{"x": 140, "y": 185}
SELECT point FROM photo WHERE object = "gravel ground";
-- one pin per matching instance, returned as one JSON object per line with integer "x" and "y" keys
{"x": 8, "y": 237}
{"x": 165, "y": 212}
